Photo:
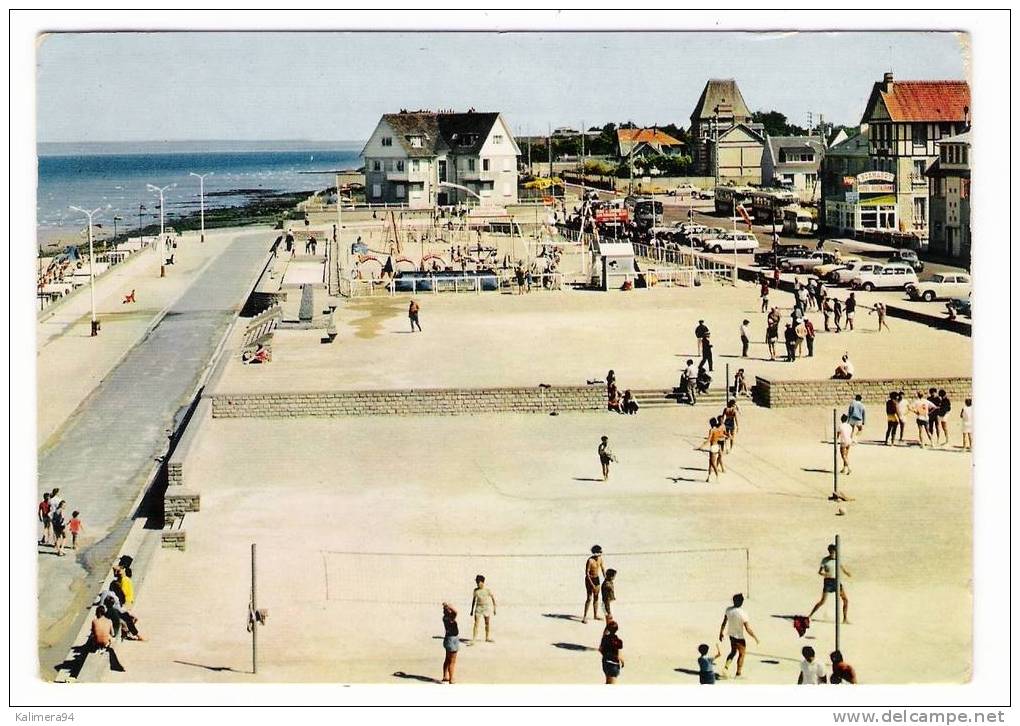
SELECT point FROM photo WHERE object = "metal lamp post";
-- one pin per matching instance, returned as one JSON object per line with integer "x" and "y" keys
{"x": 92, "y": 275}
{"x": 161, "y": 248}
{"x": 201, "y": 198}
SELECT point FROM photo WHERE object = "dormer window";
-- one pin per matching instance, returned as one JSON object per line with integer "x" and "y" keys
{"x": 468, "y": 139}
{"x": 415, "y": 141}
{"x": 387, "y": 141}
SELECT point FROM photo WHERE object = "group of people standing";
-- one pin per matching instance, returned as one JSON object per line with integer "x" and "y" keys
{"x": 58, "y": 520}
{"x": 931, "y": 414}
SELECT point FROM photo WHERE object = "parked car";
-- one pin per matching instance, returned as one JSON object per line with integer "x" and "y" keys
{"x": 689, "y": 228}
{"x": 704, "y": 194}
{"x": 908, "y": 257}
{"x": 699, "y": 238}
{"x": 941, "y": 286}
{"x": 961, "y": 305}
{"x": 732, "y": 241}
{"x": 684, "y": 190}
{"x": 806, "y": 263}
{"x": 824, "y": 272}
{"x": 771, "y": 258}
{"x": 848, "y": 273}
{"x": 894, "y": 276}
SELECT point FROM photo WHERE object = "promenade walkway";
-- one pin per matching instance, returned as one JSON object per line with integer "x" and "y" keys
{"x": 101, "y": 457}
{"x": 71, "y": 364}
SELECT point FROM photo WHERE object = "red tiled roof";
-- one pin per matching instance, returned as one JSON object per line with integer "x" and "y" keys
{"x": 649, "y": 136}
{"x": 928, "y": 100}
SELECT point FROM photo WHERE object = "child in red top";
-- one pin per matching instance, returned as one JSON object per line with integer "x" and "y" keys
{"x": 75, "y": 527}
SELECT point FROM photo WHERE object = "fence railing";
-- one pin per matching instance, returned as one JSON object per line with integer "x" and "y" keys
{"x": 424, "y": 283}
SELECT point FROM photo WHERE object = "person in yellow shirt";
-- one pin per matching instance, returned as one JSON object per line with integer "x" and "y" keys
{"x": 127, "y": 588}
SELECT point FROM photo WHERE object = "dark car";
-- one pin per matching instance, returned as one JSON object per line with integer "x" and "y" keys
{"x": 772, "y": 258}
{"x": 961, "y": 305}
{"x": 908, "y": 257}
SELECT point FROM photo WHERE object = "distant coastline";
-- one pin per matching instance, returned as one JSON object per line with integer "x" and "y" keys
{"x": 89, "y": 148}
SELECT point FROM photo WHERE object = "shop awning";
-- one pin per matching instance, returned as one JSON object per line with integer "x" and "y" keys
{"x": 885, "y": 200}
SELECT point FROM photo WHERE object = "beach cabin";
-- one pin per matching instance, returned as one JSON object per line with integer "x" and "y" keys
{"x": 612, "y": 265}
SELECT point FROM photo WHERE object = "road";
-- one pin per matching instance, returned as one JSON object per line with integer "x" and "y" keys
{"x": 102, "y": 457}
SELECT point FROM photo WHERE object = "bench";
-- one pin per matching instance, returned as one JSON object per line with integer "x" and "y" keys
{"x": 330, "y": 327}
{"x": 260, "y": 331}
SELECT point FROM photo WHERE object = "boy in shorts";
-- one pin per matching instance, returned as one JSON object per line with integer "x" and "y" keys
{"x": 593, "y": 568}
{"x": 827, "y": 570}
{"x": 609, "y": 592}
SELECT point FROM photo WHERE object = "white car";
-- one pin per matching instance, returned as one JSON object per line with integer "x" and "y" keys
{"x": 709, "y": 233}
{"x": 895, "y": 276}
{"x": 704, "y": 194}
{"x": 732, "y": 241}
{"x": 848, "y": 273}
{"x": 942, "y": 286}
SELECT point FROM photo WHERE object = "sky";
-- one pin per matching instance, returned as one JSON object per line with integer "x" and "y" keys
{"x": 94, "y": 87}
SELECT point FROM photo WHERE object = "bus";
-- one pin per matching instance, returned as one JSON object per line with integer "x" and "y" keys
{"x": 727, "y": 199}
{"x": 798, "y": 221}
{"x": 768, "y": 205}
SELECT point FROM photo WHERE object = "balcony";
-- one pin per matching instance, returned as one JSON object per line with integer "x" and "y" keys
{"x": 407, "y": 175}
{"x": 478, "y": 175}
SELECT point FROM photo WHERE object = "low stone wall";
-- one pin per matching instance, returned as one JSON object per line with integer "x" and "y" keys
{"x": 782, "y": 394}
{"x": 431, "y": 402}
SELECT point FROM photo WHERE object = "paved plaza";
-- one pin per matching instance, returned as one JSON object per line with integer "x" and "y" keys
{"x": 437, "y": 489}
{"x": 568, "y": 337}
{"x": 518, "y": 497}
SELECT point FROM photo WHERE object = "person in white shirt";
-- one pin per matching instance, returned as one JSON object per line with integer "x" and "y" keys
{"x": 734, "y": 623}
{"x": 812, "y": 672}
{"x": 845, "y": 439}
{"x": 745, "y": 337}
{"x": 967, "y": 424}
{"x": 845, "y": 369}
{"x": 689, "y": 381}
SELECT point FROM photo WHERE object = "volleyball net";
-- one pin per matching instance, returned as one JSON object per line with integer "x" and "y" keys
{"x": 538, "y": 580}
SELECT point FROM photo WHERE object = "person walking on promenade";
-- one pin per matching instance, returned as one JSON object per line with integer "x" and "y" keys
{"x": 827, "y": 314}
{"x": 606, "y": 457}
{"x": 451, "y": 641}
{"x": 74, "y": 527}
{"x": 842, "y": 672}
{"x": 800, "y": 330}
{"x": 812, "y": 672}
{"x": 790, "y": 338}
{"x": 775, "y": 277}
{"x": 731, "y": 423}
{"x": 714, "y": 441}
{"x": 764, "y": 294}
{"x": 772, "y": 336}
{"x": 892, "y": 418}
{"x": 734, "y": 623}
{"x": 745, "y": 337}
{"x": 967, "y": 424}
{"x": 837, "y": 313}
{"x": 845, "y": 439}
{"x": 945, "y": 406}
{"x": 880, "y": 310}
{"x": 593, "y": 570}
{"x": 44, "y": 517}
{"x": 856, "y": 414}
{"x": 921, "y": 407}
{"x": 611, "y": 649}
{"x": 483, "y": 607}
{"x": 413, "y": 309}
{"x": 827, "y": 571}
{"x": 59, "y": 523}
{"x": 609, "y": 593}
{"x": 851, "y": 311}
{"x": 706, "y": 352}
{"x": 699, "y": 333}
{"x": 809, "y": 337}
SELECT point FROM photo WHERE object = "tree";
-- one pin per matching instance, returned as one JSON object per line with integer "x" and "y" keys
{"x": 776, "y": 124}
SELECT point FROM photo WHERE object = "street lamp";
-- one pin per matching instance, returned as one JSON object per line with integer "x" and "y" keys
{"x": 201, "y": 197}
{"x": 115, "y": 220}
{"x": 92, "y": 275}
{"x": 162, "y": 242}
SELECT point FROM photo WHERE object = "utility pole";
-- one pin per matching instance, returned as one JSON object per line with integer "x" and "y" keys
{"x": 715, "y": 146}
{"x": 253, "y": 618}
{"x": 838, "y": 592}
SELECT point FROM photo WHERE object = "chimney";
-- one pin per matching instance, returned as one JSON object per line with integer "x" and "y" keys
{"x": 888, "y": 81}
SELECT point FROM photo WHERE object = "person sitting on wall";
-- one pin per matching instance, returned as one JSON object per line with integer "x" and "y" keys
{"x": 845, "y": 370}
{"x": 261, "y": 354}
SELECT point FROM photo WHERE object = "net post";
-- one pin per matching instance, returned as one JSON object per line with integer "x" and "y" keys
{"x": 835, "y": 472}
{"x": 838, "y": 593}
{"x": 254, "y": 610}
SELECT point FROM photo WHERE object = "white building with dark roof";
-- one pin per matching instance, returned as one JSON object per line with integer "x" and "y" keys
{"x": 793, "y": 162}
{"x": 424, "y": 159}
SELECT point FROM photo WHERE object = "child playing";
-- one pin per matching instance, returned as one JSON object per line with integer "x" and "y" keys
{"x": 74, "y": 526}
{"x": 609, "y": 592}
{"x": 706, "y": 665}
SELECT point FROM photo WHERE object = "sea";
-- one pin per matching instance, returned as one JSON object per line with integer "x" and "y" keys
{"x": 113, "y": 177}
